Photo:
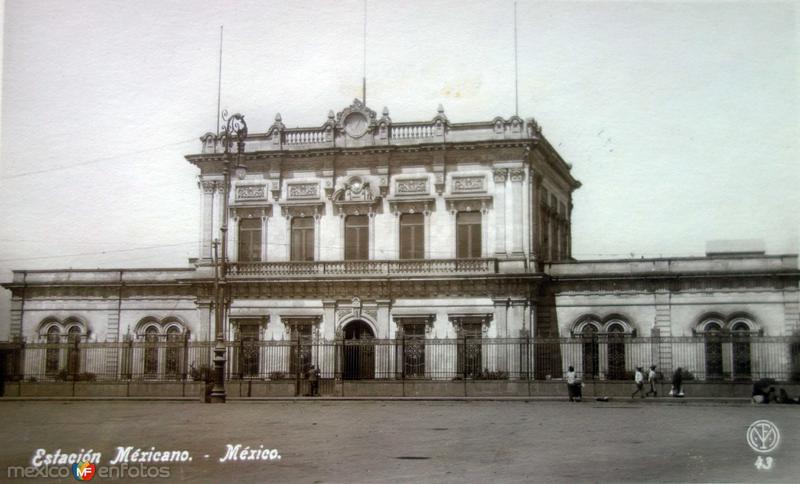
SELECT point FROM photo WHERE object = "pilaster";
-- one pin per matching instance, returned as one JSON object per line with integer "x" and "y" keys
{"x": 500, "y": 176}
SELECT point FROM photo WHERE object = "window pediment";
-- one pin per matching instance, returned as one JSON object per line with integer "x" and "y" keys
{"x": 412, "y": 205}
{"x": 468, "y": 203}
{"x": 303, "y": 209}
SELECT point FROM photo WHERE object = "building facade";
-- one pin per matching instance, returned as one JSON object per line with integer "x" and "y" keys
{"x": 429, "y": 249}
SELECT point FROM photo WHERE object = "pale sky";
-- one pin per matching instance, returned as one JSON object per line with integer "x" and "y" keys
{"x": 681, "y": 119}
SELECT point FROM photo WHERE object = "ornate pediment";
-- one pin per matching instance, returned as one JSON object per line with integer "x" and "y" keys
{"x": 461, "y": 319}
{"x": 356, "y": 198}
{"x": 356, "y": 120}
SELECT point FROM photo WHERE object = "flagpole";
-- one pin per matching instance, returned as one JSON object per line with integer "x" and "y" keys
{"x": 364, "y": 78}
{"x": 219, "y": 84}
{"x": 516, "y": 68}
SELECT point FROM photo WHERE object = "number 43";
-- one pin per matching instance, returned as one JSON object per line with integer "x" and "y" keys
{"x": 764, "y": 463}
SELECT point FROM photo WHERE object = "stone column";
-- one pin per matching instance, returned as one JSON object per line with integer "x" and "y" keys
{"x": 384, "y": 321}
{"x": 17, "y": 306}
{"x": 501, "y": 321}
{"x": 517, "y": 176}
{"x": 207, "y": 218}
{"x": 328, "y": 319}
{"x": 500, "y": 176}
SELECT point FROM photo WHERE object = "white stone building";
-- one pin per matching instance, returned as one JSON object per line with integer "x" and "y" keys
{"x": 365, "y": 228}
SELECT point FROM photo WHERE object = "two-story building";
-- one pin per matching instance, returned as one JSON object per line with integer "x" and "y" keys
{"x": 451, "y": 240}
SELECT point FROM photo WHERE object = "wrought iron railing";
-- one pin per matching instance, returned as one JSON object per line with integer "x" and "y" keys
{"x": 469, "y": 359}
{"x": 406, "y": 267}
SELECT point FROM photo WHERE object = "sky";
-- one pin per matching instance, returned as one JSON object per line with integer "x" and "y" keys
{"x": 681, "y": 119}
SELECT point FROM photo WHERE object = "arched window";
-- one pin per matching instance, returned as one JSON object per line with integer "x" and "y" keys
{"x": 53, "y": 351}
{"x": 162, "y": 348}
{"x": 173, "y": 356}
{"x": 591, "y": 352}
{"x": 151, "y": 351}
{"x": 713, "y": 350}
{"x": 73, "y": 353}
{"x": 616, "y": 352}
{"x": 740, "y": 335}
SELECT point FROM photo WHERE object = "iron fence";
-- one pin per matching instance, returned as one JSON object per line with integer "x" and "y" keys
{"x": 600, "y": 357}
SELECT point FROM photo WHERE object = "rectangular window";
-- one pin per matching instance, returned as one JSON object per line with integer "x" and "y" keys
{"x": 250, "y": 240}
{"x": 302, "y": 239}
{"x": 470, "y": 354}
{"x": 412, "y": 236}
{"x": 468, "y": 235}
{"x": 356, "y": 237}
{"x": 300, "y": 353}
{"x": 414, "y": 349}
{"x": 249, "y": 354}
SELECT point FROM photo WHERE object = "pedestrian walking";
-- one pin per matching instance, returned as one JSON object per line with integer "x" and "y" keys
{"x": 573, "y": 385}
{"x": 652, "y": 378}
{"x": 638, "y": 379}
{"x": 677, "y": 383}
{"x": 313, "y": 379}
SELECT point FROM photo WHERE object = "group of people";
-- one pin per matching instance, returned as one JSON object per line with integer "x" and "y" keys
{"x": 574, "y": 385}
{"x": 764, "y": 393}
{"x": 653, "y": 378}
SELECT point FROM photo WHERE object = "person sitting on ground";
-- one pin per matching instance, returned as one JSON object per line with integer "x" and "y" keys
{"x": 762, "y": 393}
{"x": 784, "y": 397}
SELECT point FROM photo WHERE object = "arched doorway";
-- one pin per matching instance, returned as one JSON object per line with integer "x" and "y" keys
{"x": 358, "y": 351}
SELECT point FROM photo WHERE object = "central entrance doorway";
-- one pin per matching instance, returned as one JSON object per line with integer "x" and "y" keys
{"x": 359, "y": 351}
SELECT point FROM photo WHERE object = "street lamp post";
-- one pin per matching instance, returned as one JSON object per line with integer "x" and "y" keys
{"x": 235, "y": 131}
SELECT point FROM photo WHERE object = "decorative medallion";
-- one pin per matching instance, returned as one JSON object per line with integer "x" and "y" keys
{"x": 356, "y": 125}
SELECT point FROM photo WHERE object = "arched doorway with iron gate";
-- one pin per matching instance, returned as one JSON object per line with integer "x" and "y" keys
{"x": 358, "y": 352}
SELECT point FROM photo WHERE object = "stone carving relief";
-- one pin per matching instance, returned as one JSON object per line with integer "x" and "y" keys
{"x": 415, "y": 186}
{"x": 302, "y": 191}
{"x": 469, "y": 184}
{"x": 251, "y": 192}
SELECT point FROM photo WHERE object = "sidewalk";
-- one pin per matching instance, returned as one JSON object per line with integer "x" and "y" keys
{"x": 611, "y": 400}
